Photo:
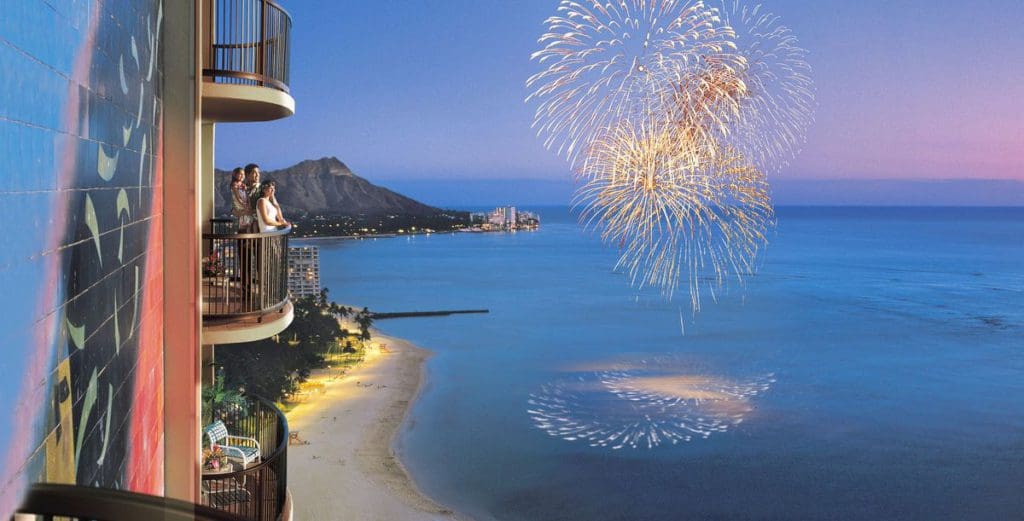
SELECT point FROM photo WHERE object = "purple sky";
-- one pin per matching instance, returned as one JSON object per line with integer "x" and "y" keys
{"x": 429, "y": 89}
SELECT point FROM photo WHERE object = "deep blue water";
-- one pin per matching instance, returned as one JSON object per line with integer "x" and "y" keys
{"x": 894, "y": 337}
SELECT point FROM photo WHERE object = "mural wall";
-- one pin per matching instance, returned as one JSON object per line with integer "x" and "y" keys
{"x": 81, "y": 380}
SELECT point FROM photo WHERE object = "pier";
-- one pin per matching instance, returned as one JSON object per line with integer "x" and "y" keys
{"x": 439, "y": 313}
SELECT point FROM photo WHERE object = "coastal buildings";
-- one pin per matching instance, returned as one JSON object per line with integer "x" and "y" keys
{"x": 504, "y": 218}
{"x": 108, "y": 112}
{"x": 303, "y": 271}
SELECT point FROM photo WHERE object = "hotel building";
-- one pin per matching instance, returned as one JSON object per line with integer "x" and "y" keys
{"x": 121, "y": 286}
{"x": 303, "y": 271}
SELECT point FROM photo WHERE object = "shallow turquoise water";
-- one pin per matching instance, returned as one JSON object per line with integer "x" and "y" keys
{"x": 892, "y": 338}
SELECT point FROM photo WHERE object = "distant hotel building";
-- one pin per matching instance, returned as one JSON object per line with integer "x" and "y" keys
{"x": 303, "y": 271}
{"x": 504, "y": 218}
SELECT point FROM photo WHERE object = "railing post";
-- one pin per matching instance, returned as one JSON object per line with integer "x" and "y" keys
{"x": 262, "y": 65}
{"x": 262, "y": 486}
{"x": 247, "y": 274}
{"x": 247, "y": 43}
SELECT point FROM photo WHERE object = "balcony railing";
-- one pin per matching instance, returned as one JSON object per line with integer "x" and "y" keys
{"x": 249, "y": 43}
{"x": 244, "y": 274}
{"x": 258, "y": 492}
{"x": 49, "y": 501}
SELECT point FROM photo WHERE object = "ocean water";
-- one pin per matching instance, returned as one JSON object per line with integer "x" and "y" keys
{"x": 873, "y": 369}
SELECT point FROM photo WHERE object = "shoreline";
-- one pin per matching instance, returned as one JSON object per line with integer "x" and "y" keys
{"x": 396, "y": 235}
{"x": 368, "y": 236}
{"x": 346, "y": 465}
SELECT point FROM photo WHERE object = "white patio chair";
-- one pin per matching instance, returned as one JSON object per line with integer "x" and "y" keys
{"x": 245, "y": 450}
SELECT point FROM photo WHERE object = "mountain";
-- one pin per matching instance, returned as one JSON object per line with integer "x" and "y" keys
{"x": 326, "y": 186}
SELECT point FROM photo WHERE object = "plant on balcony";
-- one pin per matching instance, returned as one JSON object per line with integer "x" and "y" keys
{"x": 223, "y": 403}
{"x": 214, "y": 458}
{"x": 213, "y": 265}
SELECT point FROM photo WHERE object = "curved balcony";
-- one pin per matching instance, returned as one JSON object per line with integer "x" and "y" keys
{"x": 245, "y": 284}
{"x": 246, "y": 63}
{"x": 259, "y": 491}
{"x": 49, "y": 501}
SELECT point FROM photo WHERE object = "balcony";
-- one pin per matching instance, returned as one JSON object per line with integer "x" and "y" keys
{"x": 49, "y": 501}
{"x": 259, "y": 491}
{"x": 246, "y": 61}
{"x": 244, "y": 285}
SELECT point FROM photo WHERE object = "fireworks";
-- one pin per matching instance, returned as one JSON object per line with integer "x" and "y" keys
{"x": 643, "y": 406}
{"x": 602, "y": 57}
{"x": 670, "y": 113}
{"x": 778, "y": 105}
{"x": 674, "y": 210}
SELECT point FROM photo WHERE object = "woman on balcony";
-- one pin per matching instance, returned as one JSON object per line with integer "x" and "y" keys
{"x": 267, "y": 212}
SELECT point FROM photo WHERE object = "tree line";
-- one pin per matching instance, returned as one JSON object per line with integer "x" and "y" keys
{"x": 275, "y": 367}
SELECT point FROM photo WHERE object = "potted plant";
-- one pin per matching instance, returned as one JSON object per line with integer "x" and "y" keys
{"x": 223, "y": 403}
{"x": 213, "y": 266}
{"x": 215, "y": 459}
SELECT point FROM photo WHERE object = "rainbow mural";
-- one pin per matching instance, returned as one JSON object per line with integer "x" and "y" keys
{"x": 88, "y": 405}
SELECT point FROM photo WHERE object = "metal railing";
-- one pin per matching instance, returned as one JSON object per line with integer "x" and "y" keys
{"x": 257, "y": 492}
{"x": 244, "y": 274}
{"x": 249, "y": 43}
{"x": 48, "y": 501}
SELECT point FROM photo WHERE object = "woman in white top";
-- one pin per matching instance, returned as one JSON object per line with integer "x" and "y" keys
{"x": 269, "y": 216}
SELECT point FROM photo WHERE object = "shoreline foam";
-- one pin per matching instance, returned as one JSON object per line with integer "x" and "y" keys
{"x": 348, "y": 468}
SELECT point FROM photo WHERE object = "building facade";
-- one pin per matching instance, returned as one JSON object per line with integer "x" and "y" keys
{"x": 107, "y": 121}
{"x": 303, "y": 271}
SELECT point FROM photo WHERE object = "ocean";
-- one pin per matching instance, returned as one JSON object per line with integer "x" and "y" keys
{"x": 872, "y": 369}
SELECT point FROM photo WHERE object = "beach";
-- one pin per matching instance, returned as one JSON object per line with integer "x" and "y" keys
{"x": 341, "y": 464}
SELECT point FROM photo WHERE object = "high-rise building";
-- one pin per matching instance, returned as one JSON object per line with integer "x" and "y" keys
{"x": 497, "y": 217}
{"x": 303, "y": 271}
{"x": 120, "y": 284}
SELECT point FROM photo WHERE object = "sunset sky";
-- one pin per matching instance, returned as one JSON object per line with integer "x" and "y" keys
{"x": 415, "y": 91}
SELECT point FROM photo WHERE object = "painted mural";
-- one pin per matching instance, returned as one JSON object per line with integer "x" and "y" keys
{"x": 87, "y": 405}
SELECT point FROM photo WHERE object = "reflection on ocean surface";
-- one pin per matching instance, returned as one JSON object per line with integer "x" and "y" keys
{"x": 643, "y": 404}
{"x": 894, "y": 335}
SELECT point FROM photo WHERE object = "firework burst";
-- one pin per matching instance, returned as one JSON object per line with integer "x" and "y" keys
{"x": 670, "y": 113}
{"x": 601, "y": 57}
{"x": 672, "y": 209}
{"x": 777, "y": 103}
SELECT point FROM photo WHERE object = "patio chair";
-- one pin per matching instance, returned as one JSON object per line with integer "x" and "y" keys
{"x": 245, "y": 450}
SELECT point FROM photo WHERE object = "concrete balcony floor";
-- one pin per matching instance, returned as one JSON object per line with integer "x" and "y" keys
{"x": 247, "y": 328}
{"x": 230, "y": 103}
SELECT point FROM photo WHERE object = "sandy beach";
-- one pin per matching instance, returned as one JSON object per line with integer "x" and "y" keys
{"x": 345, "y": 467}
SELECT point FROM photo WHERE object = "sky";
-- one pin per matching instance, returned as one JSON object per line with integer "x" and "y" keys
{"x": 411, "y": 92}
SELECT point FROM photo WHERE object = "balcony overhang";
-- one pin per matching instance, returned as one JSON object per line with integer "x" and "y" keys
{"x": 246, "y": 61}
{"x": 249, "y": 328}
{"x": 230, "y": 103}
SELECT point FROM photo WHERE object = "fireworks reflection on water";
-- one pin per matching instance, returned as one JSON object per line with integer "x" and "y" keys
{"x": 643, "y": 406}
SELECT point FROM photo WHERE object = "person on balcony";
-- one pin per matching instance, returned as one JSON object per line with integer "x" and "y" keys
{"x": 252, "y": 180}
{"x": 252, "y": 172}
{"x": 268, "y": 213}
{"x": 241, "y": 208}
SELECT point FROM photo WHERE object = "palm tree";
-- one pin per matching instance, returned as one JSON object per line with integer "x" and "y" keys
{"x": 364, "y": 319}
